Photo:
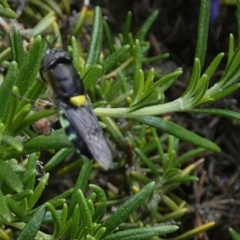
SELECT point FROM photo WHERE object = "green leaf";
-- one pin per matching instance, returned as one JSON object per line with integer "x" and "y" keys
{"x": 147, "y": 161}
{"x": 75, "y": 222}
{"x": 203, "y": 26}
{"x": 90, "y": 206}
{"x": 7, "y": 12}
{"x": 170, "y": 171}
{"x": 142, "y": 233}
{"x": 6, "y": 91}
{"x": 238, "y": 20}
{"x": 127, "y": 208}
{"x": 86, "y": 218}
{"x": 66, "y": 228}
{"x": 218, "y": 112}
{"x": 222, "y": 93}
{"x": 166, "y": 81}
{"x": 4, "y": 210}
{"x": 15, "y": 207}
{"x": 95, "y": 46}
{"x": 4, "y": 3}
{"x": 9, "y": 113}
{"x": 230, "y": 48}
{"x": 30, "y": 67}
{"x": 5, "y": 54}
{"x": 109, "y": 37}
{"x": 59, "y": 198}
{"x": 200, "y": 90}
{"x": 30, "y": 230}
{"x": 64, "y": 215}
{"x": 214, "y": 65}
{"x": 155, "y": 58}
{"x": 194, "y": 78}
{"x": 113, "y": 59}
{"x": 179, "y": 132}
{"x": 38, "y": 191}
{"x": 127, "y": 27}
{"x": 141, "y": 34}
{"x": 81, "y": 183}
{"x": 29, "y": 178}
{"x": 56, "y": 218}
{"x": 115, "y": 133}
{"x": 92, "y": 75}
{"x": 195, "y": 231}
{"x": 138, "y": 83}
{"x": 29, "y": 120}
{"x": 55, "y": 7}
{"x": 99, "y": 233}
{"x": 43, "y": 24}
{"x": 174, "y": 215}
{"x": 56, "y": 140}
{"x": 81, "y": 21}
{"x": 35, "y": 89}
{"x": 13, "y": 128}
{"x": 169, "y": 202}
{"x": 234, "y": 234}
{"x": 2, "y": 126}
{"x": 13, "y": 142}
{"x": 60, "y": 156}
{"x": 3, "y": 234}
{"x": 180, "y": 179}
{"x": 24, "y": 194}
{"x": 152, "y": 97}
{"x": 31, "y": 166}
{"x": 17, "y": 47}
{"x": 149, "y": 80}
{"x": 139, "y": 87}
{"x": 232, "y": 72}
{"x": 101, "y": 206}
{"x": 75, "y": 54}
{"x": 10, "y": 177}
{"x": 189, "y": 155}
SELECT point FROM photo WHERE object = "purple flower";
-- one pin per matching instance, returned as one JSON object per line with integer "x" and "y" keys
{"x": 214, "y": 12}
{"x": 223, "y": 179}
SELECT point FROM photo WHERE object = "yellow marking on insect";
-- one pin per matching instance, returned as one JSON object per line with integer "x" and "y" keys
{"x": 78, "y": 101}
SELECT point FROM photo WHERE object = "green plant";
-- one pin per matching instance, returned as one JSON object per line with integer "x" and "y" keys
{"x": 119, "y": 81}
{"x": 234, "y": 234}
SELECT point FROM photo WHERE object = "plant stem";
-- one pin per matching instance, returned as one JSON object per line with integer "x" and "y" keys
{"x": 177, "y": 105}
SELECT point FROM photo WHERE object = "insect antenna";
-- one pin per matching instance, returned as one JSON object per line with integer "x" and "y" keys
{"x": 51, "y": 46}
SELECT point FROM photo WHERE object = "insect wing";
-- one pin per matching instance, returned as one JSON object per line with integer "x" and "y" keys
{"x": 85, "y": 123}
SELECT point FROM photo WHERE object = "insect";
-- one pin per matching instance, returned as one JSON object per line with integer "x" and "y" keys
{"x": 76, "y": 114}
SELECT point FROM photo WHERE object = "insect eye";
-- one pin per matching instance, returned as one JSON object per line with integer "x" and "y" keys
{"x": 47, "y": 61}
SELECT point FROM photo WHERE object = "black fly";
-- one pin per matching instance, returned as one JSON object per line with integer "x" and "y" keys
{"x": 76, "y": 114}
